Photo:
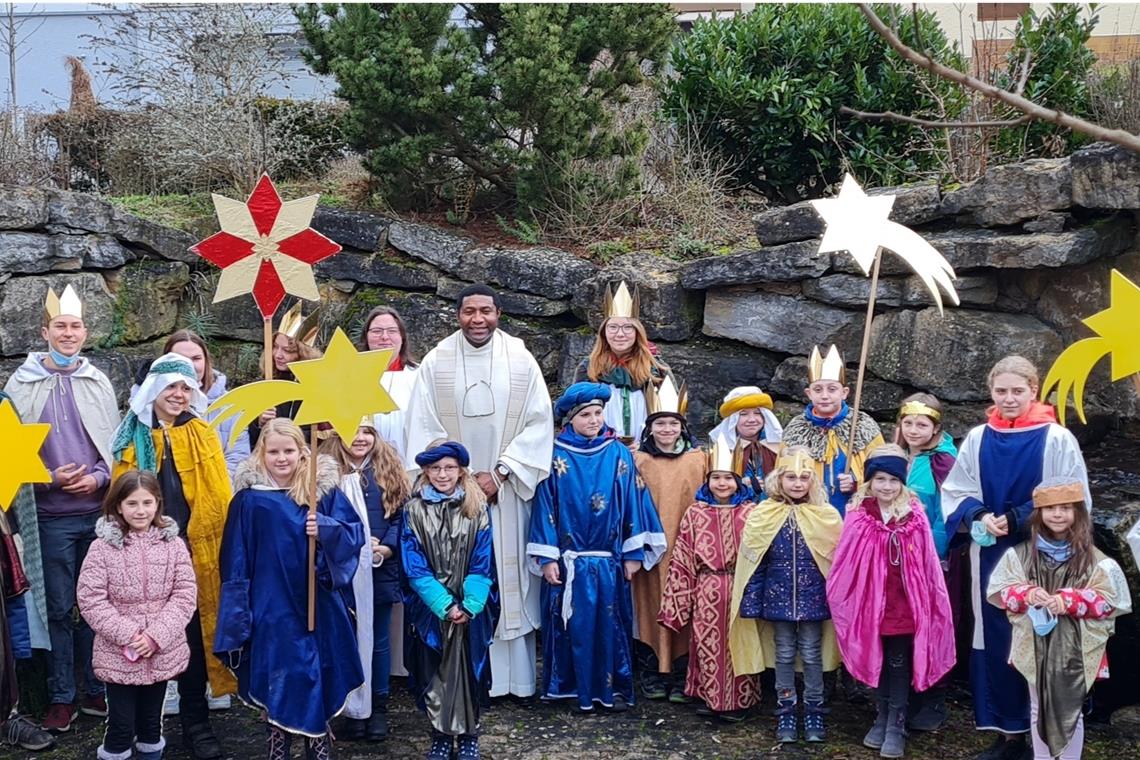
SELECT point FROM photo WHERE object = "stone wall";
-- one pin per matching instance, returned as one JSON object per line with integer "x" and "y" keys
{"x": 1032, "y": 244}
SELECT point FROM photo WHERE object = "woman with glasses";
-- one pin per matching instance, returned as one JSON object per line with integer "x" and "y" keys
{"x": 385, "y": 329}
{"x": 625, "y": 360}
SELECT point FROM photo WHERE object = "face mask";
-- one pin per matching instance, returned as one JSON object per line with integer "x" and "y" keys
{"x": 60, "y": 360}
{"x": 981, "y": 536}
{"x": 1043, "y": 620}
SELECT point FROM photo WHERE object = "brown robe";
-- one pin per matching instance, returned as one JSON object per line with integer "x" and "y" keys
{"x": 672, "y": 482}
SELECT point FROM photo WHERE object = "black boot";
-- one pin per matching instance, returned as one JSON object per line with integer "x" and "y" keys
{"x": 440, "y": 748}
{"x": 352, "y": 730}
{"x": 932, "y": 712}
{"x": 199, "y": 739}
{"x": 377, "y": 730}
{"x": 319, "y": 748}
{"x": 277, "y": 744}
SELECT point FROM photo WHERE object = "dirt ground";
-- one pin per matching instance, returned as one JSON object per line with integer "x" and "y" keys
{"x": 657, "y": 730}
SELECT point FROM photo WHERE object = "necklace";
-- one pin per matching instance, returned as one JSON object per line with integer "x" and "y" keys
{"x": 478, "y": 399}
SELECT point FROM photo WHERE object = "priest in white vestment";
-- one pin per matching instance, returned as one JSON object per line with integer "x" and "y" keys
{"x": 482, "y": 388}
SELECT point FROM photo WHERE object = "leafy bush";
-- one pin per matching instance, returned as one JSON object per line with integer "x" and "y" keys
{"x": 515, "y": 95}
{"x": 1060, "y": 62}
{"x": 765, "y": 88}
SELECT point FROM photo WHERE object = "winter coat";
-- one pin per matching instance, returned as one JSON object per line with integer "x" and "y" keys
{"x": 787, "y": 585}
{"x": 140, "y": 583}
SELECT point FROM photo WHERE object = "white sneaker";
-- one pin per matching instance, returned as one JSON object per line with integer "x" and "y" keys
{"x": 170, "y": 706}
{"x": 217, "y": 703}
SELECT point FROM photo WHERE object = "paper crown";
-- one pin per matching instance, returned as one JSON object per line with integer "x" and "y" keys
{"x": 68, "y": 303}
{"x": 826, "y": 368}
{"x": 724, "y": 457}
{"x": 619, "y": 303}
{"x": 796, "y": 461}
{"x": 667, "y": 399}
{"x": 917, "y": 407}
{"x": 1062, "y": 493}
{"x": 296, "y": 327}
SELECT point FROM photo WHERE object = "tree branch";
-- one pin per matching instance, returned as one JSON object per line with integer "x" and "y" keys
{"x": 898, "y": 117}
{"x": 1028, "y": 107}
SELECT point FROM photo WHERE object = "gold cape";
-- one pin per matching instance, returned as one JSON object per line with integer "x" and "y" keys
{"x": 751, "y": 640}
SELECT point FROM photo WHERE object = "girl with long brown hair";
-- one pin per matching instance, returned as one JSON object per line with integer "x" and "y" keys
{"x": 374, "y": 480}
{"x": 1062, "y": 595}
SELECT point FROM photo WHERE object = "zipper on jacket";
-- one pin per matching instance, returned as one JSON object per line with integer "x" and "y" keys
{"x": 795, "y": 568}
{"x": 146, "y": 615}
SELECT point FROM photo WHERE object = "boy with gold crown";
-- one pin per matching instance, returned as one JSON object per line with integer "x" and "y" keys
{"x": 63, "y": 389}
{"x": 673, "y": 469}
{"x": 698, "y": 591}
{"x": 294, "y": 340}
{"x": 779, "y": 595}
{"x": 824, "y": 428}
{"x": 625, "y": 360}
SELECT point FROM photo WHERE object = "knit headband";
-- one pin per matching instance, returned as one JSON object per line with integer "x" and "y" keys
{"x": 888, "y": 463}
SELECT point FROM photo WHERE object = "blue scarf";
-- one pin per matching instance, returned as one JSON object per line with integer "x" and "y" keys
{"x": 432, "y": 496}
{"x": 743, "y": 493}
{"x": 826, "y": 422}
{"x": 1058, "y": 551}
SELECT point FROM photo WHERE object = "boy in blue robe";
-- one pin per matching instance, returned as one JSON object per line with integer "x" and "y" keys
{"x": 592, "y": 526}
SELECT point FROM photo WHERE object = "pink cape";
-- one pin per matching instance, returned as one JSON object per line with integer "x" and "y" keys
{"x": 856, "y": 594}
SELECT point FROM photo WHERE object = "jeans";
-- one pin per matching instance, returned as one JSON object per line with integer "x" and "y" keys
{"x": 806, "y": 639}
{"x": 63, "y": 543}
{"x": 192, "y": 707}
{"x": 133, "y": 712}
{"x": 381, "y": 648}
{"x": 894, "y": 678}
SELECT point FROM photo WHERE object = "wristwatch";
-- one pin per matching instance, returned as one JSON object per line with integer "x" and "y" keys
{"x": 502, "y": 471}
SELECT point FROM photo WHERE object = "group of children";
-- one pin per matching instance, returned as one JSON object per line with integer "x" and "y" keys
{"x": 782, "y": 549}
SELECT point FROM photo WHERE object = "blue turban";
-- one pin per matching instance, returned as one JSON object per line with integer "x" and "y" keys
{"x": 579, "y": 396}
{"x": 889, "y": 463}
{"x": 448, "y": 449}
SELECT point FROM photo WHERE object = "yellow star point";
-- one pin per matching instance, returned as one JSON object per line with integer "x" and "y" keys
{"x": 20, "y": 451}
{"x": 1117, "y": 325}
{"x": 326, "y": 382}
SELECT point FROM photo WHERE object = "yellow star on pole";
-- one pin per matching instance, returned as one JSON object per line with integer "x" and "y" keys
{"x": 20, "y": 452}
{"x": 349, "y": 386}
{"x": 1115, "y": 335}
{"x": 339, "y": 388}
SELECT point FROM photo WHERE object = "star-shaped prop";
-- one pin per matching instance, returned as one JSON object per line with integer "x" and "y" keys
{"x": 320, "y": 387}
{"x": 20, "y": 452}
{"x": 1115, "y": 336}
{"x": 858, "y": 223}
{"x": 266, "y": 247}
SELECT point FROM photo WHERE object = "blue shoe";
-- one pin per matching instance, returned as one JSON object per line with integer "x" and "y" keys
{"x": 786, "y": 722}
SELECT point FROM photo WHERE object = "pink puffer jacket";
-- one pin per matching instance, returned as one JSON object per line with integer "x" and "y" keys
{"x": 143, "y": 583}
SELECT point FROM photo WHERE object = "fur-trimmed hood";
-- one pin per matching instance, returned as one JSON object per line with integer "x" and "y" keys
{"x": 328, "y": 476}
{"x": 109, "y": 531}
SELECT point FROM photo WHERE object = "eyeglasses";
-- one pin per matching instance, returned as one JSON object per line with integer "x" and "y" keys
{"x": 439, "y": 469}
{"x": 378, "y": 331}
{"x": 621, "y": 329}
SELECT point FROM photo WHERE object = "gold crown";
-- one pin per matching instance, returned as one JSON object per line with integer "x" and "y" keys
{"x": 724, "y": 457}
{"x": 666, "y": 398}
{"x": 619, "y": 303}
{"x": 796, "y": 462}
{"x": 68, "y": 304}
{"x": 296, "y": 327}
{"x": 917, "y": 407}
{"x": 826, "y": 368}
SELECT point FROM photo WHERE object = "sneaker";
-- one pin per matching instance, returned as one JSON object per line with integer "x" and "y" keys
{"x": 815, "y": 729}
{"x": 620, "y": 705}
{"x": 59, "y": 718}
{"x": 171, "y": 705}
{"x": 732, "y": 716}
{"x": 218, "y": 703}
{"x": 678, "y": 696}
{"x": 21, "y": 732}
{"x": 653, "y": 686}
{"x": 786, "y": 732}
{"x": 95, "y": 706}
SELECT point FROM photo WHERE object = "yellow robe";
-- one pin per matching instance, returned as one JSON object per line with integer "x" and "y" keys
{"x": 752, "y": 640}
{"x": 201, "y": 466}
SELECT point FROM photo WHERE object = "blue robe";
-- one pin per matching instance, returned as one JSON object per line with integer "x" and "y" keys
{"x": 301, "y": 679}
{"x": 594, "y": 501}
{"x": 996, "y": 471}
{"x": 447, "y": 561}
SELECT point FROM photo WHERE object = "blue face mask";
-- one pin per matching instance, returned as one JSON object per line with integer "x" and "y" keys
{"x": 1043, "y": 620}
{"x": 981, "y": 536}
{"x": 61, "y": 361}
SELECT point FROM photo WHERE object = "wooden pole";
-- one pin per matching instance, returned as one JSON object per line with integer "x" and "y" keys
{"x": 312, "y": 539}
{"x": 863, "y": 351}
{"x": 267, "y": 357}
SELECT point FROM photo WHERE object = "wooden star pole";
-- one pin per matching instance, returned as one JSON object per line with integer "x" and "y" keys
{"x": 863, "y": 351}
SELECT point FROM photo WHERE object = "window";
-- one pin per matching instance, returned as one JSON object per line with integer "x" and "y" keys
{"x": 1001, "y": 11}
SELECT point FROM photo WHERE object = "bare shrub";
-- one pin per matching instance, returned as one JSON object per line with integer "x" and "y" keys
{"x": 28, "y": 155}
{"x": 1115, "y": 94}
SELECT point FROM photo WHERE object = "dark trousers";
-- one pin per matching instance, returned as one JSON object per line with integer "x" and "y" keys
{"x": 133, "y": 712}
{"x": 381, "y": 648}
{"x": 64, "y": 542}
{"x": 192, "y": 707}
{"x": 894, "y": 679}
